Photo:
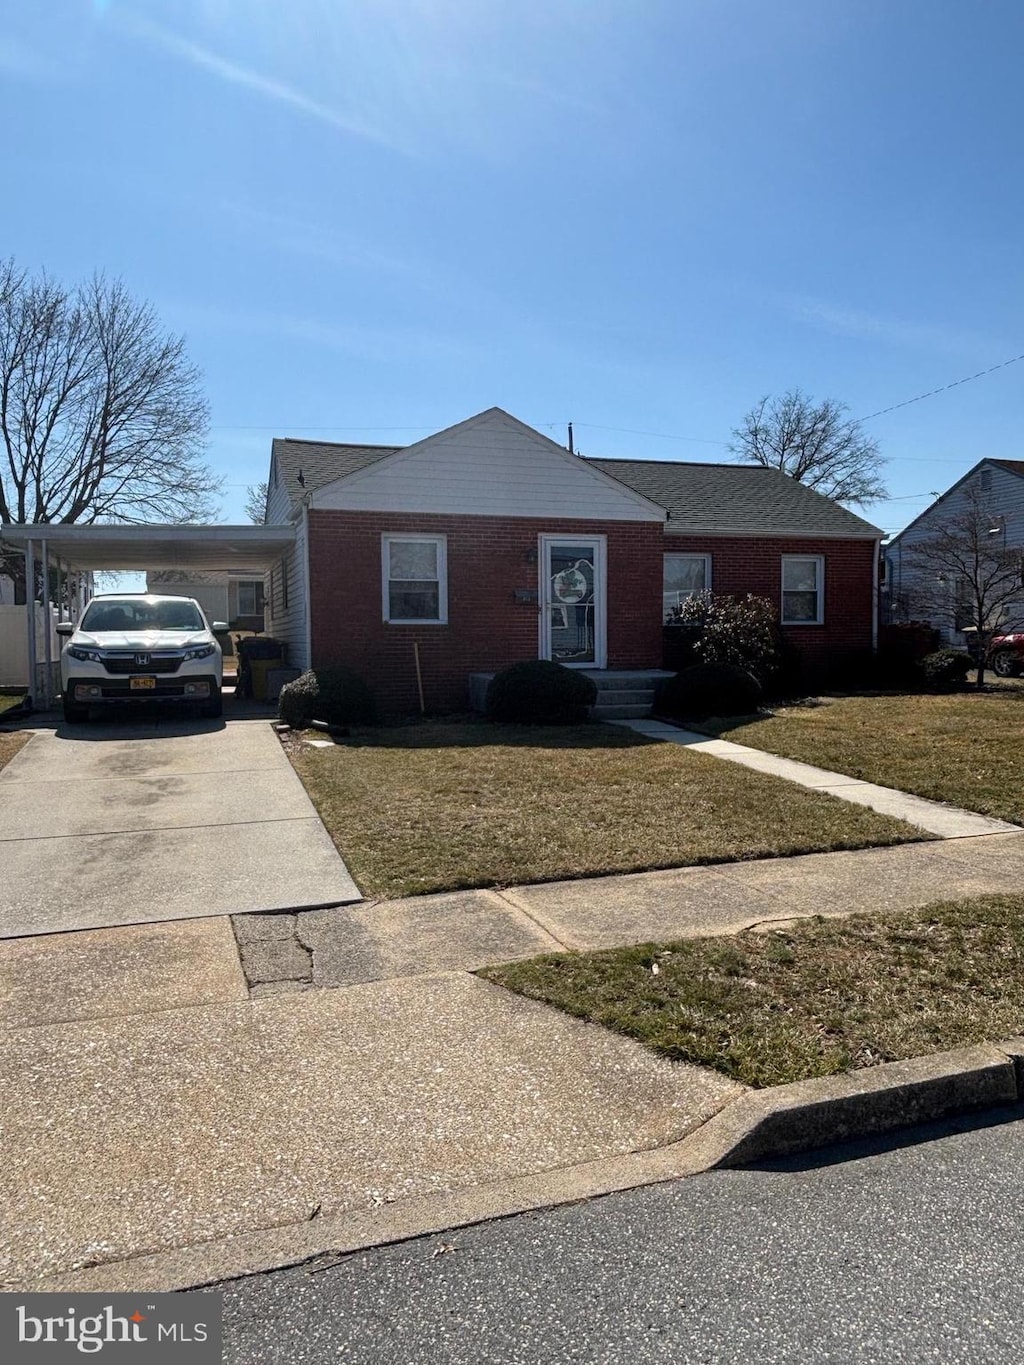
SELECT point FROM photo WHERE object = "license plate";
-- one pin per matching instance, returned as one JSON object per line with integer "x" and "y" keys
{"x": 142, "y": 684}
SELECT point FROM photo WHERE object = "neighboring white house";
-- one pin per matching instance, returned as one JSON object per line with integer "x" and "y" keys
{"x": 997, "y": 488}
{"x": 237, "y": 599}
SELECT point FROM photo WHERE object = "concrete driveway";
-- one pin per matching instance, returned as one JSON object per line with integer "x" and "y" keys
{"x": 104, "y": 825}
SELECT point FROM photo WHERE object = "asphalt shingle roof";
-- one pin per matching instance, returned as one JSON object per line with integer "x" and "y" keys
{"x": 321, "y": 462}
{"x": 741, "y": 499}
{"x": 738, "y": 499}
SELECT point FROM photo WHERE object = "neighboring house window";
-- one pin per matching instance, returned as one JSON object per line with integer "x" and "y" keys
{"x": 986, "y": 480}
{"x": 415, "y": 578}
{"x": 803, "y": 596}
{"x": 683, "y": 576}
{"x": 250, "y": 597}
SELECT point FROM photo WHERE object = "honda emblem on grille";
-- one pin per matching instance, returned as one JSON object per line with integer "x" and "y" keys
{"x": 142, "y": 660}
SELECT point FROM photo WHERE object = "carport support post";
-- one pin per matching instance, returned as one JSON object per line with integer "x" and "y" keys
{"x": 47, "y": 624}
{"x": 30, "y": 615}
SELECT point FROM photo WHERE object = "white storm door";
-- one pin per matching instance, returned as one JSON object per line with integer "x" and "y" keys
{"x": 572, "y": 600}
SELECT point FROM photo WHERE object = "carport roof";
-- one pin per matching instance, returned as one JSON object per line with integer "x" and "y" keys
{"x": 235, "y": 549}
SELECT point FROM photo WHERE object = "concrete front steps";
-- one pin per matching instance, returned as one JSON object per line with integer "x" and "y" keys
{"x": 622, "y": 694}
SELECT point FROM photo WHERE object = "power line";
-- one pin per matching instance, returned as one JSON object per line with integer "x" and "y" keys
{"x": 967, "y": 379}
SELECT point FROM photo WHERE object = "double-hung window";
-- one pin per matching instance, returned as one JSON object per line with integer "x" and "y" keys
{"x": 683, "y": 576}
{"x": 415, "y": 579}
{"x": 803, "y": 590}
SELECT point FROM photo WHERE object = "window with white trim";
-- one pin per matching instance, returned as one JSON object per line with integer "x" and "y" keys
{"x": 803, "y": 590}
{"x": 682, "y": 576}
{"x": 415, "y": 579}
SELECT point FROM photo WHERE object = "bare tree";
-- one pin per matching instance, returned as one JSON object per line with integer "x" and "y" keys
{"x": 256, "y": 502}
{"x": 963, "y": 574}
{"x": 813, "y": 443}
{"x": 102, "y": 417}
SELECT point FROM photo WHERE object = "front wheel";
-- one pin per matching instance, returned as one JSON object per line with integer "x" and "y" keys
{"x": 214, "y": 707}
{"x": 1006, "y": 663}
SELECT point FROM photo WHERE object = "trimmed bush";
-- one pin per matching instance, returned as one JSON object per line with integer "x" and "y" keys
{"x": 709, "y": 690}
{"x": 334, "y": 695}
{"x": 946, "y": 670}
{"x": 539, "y": 692}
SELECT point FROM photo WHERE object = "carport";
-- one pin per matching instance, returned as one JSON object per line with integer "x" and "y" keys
{"x": 76, "y": 552}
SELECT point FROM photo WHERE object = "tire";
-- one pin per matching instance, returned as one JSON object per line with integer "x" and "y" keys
{"x": 1006, "y": 663}
{"x": 75, "y": 714}
{"x": 212, "y": 709}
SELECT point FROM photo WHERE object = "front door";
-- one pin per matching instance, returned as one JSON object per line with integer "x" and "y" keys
{"x": 572, "y": 615}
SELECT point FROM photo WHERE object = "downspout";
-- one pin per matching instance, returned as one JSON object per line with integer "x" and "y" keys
{"x": 875, "y": 590}
{"x": 307, "y": 586}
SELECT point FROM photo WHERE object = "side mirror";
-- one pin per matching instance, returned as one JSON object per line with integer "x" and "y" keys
{"x": 219, "y": 627}
{"x": 65, "y": 627}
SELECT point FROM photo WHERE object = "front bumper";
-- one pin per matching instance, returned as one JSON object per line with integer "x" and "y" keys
{"x": 96, "y": 691}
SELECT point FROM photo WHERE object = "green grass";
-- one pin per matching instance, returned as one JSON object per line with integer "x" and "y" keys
{"x": 814, "y": 999}
{"x": 967, "y": 749}
{"x": 6, "y": 703}
{"x": 443, "y": 806}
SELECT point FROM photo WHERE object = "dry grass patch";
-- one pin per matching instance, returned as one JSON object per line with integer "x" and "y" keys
{"x": 444, "y": 806}
{"x": 821, "y": 997}
{"x": 9, "y": 746}
{"x": 967, "y": 749}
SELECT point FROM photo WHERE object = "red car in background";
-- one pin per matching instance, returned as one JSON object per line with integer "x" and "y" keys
{"x": 1006, "y": 655}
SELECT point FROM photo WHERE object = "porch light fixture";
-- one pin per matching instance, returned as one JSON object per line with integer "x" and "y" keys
{"x": 531, "y": 555}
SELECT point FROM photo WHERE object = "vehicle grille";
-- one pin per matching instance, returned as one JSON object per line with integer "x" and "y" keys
{"x": 129, "y": 663}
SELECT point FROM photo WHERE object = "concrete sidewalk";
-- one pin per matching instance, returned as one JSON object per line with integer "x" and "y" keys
{"x": 465, "y": 930}
{"x": 936, "y": 817}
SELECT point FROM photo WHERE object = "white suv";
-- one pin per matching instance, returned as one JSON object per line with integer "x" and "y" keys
{"x": 140, "y": 648}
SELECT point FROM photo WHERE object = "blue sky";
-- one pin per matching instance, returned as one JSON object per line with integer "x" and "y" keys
{"x": 372, "y": 218}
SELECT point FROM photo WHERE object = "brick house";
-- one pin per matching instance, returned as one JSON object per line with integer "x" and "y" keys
{"x": 488, "y": 543}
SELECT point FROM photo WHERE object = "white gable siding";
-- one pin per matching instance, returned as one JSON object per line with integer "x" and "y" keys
{"x": 278, "y": 504}
{"x": 1004, "y": 498}
{"x": 489, "y": 466}
{"x": 289, "y": 623}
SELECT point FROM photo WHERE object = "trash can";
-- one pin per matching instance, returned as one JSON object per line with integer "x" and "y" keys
{"x": 257, "y": 655}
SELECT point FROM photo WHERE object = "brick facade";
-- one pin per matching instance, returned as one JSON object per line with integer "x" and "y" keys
{"x": 489, "y": 559}
{"x": 741, "y": 565}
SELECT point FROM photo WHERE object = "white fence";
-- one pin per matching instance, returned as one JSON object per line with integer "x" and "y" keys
{"x": 14, "y": 644}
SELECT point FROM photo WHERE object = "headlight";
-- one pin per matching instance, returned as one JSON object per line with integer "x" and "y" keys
{"x": 200, "y": 652}
{"x": 85, "y": 656}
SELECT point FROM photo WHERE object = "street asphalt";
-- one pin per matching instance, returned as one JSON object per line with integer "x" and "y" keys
{"x": 867, "y": 1253}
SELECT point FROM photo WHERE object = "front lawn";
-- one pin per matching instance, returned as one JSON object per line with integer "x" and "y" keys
{"x": 8, "y": 703}
{"x": 814, "y": 999}
{"x": 442, "y": 806}
{"x": 967, "y": 748}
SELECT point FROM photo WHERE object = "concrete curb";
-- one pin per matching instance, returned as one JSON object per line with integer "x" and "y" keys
{"x": 757, "y": 1126}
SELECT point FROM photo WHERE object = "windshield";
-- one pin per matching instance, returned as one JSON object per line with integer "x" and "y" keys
{"x": 136, "y": 613}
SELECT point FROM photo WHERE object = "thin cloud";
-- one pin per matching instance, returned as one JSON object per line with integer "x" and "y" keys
{"x": 892, "y": 331}
{"x": 264, "y": 86}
